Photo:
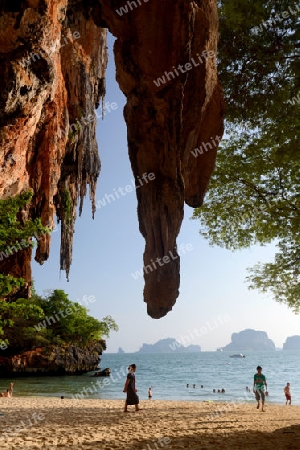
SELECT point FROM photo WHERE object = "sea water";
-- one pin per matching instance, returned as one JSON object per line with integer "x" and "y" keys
{"x": 168, "y": 374}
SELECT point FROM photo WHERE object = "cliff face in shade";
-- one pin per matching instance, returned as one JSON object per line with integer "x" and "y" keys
{"x": 52, "y": 66}
{"x": 166, "y": 120}
{"x": 53, "y": 361}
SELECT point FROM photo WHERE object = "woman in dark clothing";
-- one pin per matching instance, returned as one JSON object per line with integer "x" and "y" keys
{"x": 132, "y": 398}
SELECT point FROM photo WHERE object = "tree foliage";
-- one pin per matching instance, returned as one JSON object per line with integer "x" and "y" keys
{"x": 258, "y": 60}
{"x": 54, "y": 320}
{"x": 15, "y": 235}
{"x": 253, "y": 196}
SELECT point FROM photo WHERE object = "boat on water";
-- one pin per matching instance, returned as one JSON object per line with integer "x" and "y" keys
{"x": 239, "y": 355}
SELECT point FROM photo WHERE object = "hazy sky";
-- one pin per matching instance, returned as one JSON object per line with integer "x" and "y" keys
{"x": 110, "y": 248}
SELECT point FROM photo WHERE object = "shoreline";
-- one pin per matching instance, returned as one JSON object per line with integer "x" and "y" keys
{"x": 226, "y": 401}
{"x": 47, "y": 423}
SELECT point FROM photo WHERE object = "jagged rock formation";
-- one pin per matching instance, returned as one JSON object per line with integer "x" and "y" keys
{"x": 292, "y": 343}
{"x": 250, "y": 340}
{"x": 53, "y": 361}
{"x": 59, "y": 86}
{"x": 165, "y": 123}
{"x": 52, "y": 78}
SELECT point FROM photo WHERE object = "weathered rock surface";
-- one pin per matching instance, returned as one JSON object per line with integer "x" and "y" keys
{"x": 53, "y": 361}
{"x": 165, "y": 123}
{"x": 165, "y": 120}
{"x": 250, "y": 340}
{"x": 292, "y": 343}
{"x": 52, "y": 65}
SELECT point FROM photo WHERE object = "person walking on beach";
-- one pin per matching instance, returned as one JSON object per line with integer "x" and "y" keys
{"x": 150, "y": 392}
{"x": 129, "y": 387}
{"x": 287, "y": 392}
{"x": 259, "y": 387}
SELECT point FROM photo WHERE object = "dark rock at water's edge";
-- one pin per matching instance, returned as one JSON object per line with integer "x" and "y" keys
{"x": 54, "y": 360}
{"x": 250, "y": 340}
{"x": 168, "y": 345}
{"x": 103, "y": 373}
{"x": 292, "y": 343}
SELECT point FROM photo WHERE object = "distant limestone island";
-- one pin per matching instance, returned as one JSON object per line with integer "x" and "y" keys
{"x": 249, "y": 340}
{"x": 292, "y": 343}
{"x": 168, "y": 345}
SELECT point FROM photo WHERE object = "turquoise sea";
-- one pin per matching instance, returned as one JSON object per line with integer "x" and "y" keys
{"x": 169, "y": 374}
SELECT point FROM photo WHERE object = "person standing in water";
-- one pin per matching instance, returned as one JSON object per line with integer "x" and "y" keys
{"x": 130, "y": 389}
{"x": 150, "y": 392}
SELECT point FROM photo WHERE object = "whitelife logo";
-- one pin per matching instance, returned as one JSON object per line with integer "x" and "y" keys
{"x": 295, "y": 100}
{"x": 182, "y": 341}
{"x": 33, "y": 56}
{"x": 187, "y": 66}
{"x": 206, "y": 146}
{"x": 273, "y": 21}
{"x": 183, "y": 248}
{"x": 68, "y": 311}
{"x": 129, "y": 188}
{"x": 132, "y": 5}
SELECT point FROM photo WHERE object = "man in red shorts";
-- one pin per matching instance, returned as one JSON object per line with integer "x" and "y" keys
{"x": 287, "y": 392}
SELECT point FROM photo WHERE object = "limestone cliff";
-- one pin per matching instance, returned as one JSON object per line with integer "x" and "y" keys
{"x": 292, "y": 343}
{"x": 52, "y": 64}
{"x": 169, "y": 345}
{"x": 250, "y": 340}
{"x": 54, "y": 360}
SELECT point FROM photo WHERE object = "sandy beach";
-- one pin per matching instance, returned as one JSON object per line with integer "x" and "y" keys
{"x": 53, "y": 423}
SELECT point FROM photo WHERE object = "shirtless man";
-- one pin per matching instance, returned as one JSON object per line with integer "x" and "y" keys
{"x": 287, "y": 392}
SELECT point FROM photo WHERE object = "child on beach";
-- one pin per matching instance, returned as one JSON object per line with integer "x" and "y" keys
{"x": 129, "y": 387}
{"x": 259, "y": 387}
{"x": 287, "y": 392}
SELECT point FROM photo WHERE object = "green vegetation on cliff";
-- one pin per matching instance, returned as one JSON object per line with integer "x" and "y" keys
{"x": 39, "y": 322}
{"x": 16, "y": 234}
{"x": 253, "y": 197}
